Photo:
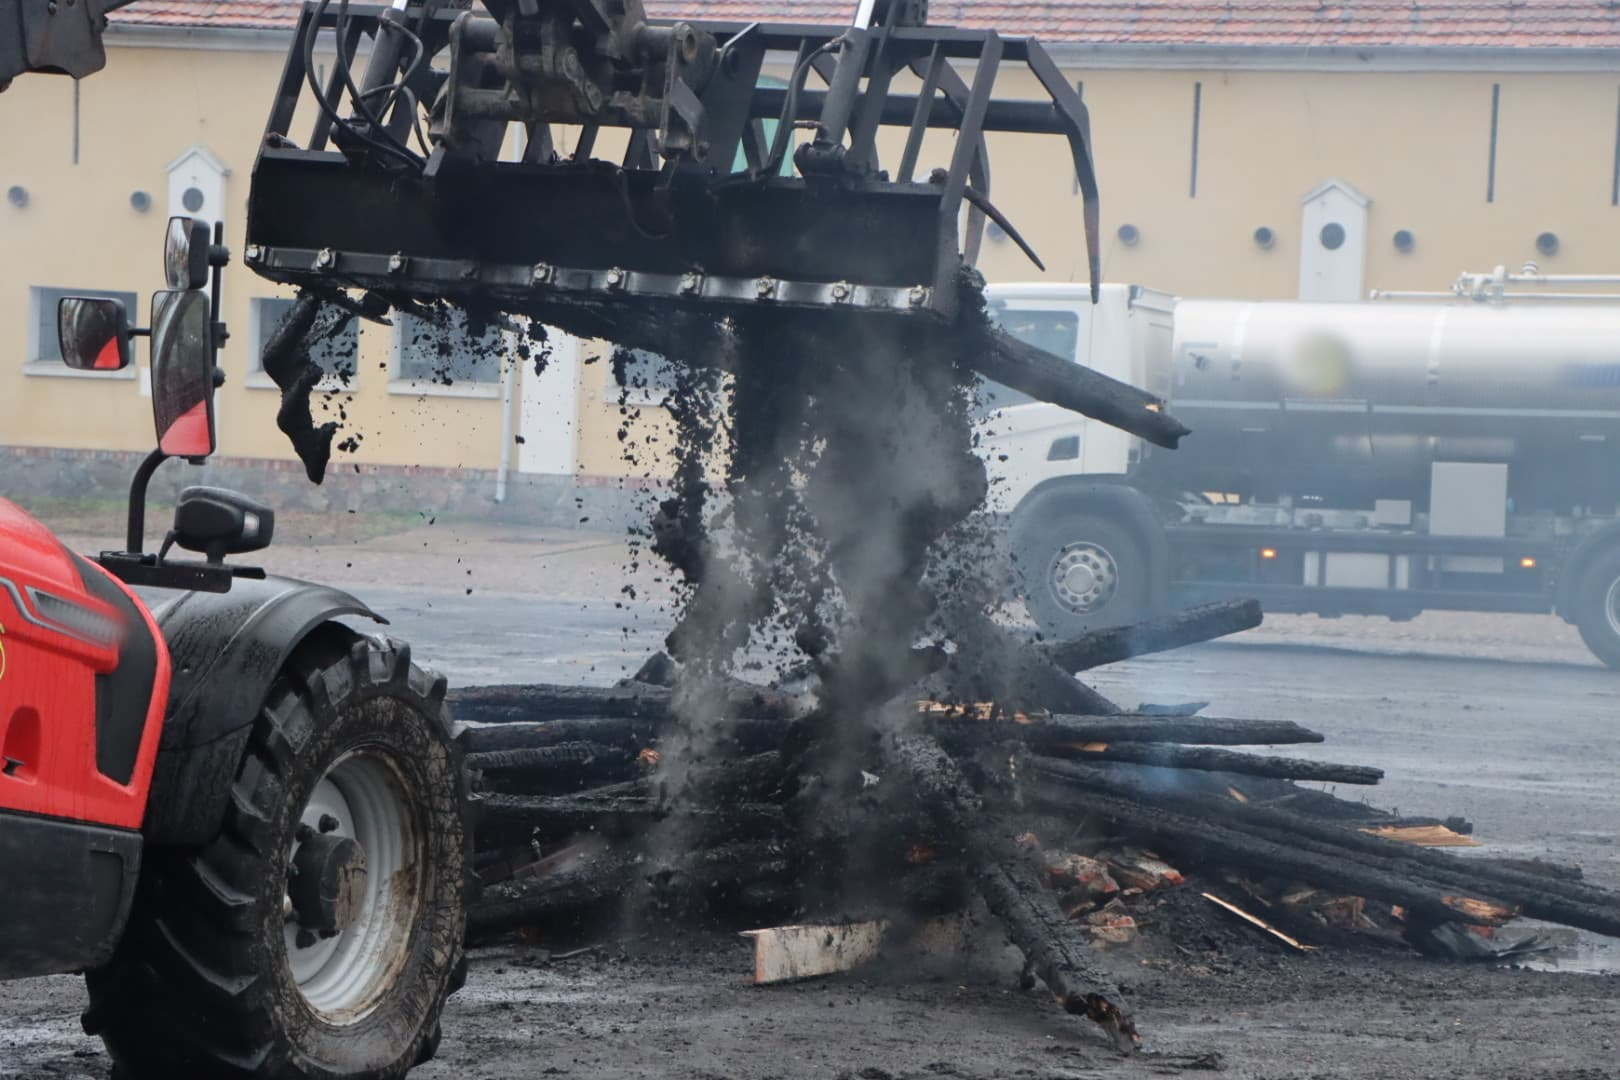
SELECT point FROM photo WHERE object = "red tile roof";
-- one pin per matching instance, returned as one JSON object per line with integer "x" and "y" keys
{"x": 1545, "y": 24}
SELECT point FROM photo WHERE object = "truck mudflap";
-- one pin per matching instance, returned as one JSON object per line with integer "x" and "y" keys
{"x": 1115, "y": 498}
{"x": 67, "y": 893}
{"x": 226, "y": 651}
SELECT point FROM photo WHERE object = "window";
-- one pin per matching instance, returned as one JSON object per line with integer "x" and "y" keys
{"x": 1058, "y": 332}
{"x": 641, "y": 377}
{"x": 44, "y": 348}
{"x": 335, "y": 348}
{"x": 439, "y": 355}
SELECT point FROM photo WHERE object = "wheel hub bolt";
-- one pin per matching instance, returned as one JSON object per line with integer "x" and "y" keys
{"x": 304, "y": 939}
{"x": 328, "y": 823}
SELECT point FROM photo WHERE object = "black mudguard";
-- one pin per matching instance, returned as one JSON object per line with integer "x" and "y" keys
{"x": 226, "y": 650}
{"x": 1115, "y": 498}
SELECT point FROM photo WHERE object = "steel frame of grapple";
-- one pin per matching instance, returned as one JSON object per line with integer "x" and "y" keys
{"x": 553, "y": 236}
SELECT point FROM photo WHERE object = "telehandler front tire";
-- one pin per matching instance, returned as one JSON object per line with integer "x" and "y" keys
{"x": 318, "y": 935}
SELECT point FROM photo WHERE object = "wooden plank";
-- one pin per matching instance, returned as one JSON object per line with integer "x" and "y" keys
{"x": 1258, "y": 923}
{"x": 1423, "y": 835}
{"x": 789, "y": 953}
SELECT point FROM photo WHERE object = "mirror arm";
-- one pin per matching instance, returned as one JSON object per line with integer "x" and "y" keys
{"x": 137, "y": 500}
{"x": 218, "y": 256}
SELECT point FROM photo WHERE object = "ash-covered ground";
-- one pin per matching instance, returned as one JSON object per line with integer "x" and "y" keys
{"x": 1523, "y": 744}
{"x": 847, "y": 459}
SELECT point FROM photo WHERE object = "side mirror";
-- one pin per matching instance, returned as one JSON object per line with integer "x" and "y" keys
{"x": 183, "y": 373}
{"x": 185, "y": 253}
{"x": 93, "y": 333}
{"x": 218, "y": 523}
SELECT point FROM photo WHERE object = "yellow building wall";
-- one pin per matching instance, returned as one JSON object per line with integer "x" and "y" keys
{"x": 79, "y": 230}
{"x": 1417, "y": 144}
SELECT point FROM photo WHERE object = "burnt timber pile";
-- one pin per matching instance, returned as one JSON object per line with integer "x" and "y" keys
{"x": 827, "y": 327}
{"x": 956, "y": 799}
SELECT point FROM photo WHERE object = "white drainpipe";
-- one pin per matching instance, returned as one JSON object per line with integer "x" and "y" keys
{"x": 520, "y": 141}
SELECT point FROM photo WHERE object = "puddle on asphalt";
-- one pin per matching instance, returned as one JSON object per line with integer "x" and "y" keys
{"x": 1570, "y": 952}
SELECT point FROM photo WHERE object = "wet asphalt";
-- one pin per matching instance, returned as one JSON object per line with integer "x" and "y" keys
{"x": 1527, "y": 751}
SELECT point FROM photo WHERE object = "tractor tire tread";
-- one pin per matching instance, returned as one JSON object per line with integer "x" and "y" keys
{"x": 186, "y": 993}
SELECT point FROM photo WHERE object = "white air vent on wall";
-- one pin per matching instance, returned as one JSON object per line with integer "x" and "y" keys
{"x": 1333, "y": 243}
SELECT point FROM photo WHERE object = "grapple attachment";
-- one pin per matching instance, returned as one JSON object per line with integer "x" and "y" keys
{"x": 729, "y": 188}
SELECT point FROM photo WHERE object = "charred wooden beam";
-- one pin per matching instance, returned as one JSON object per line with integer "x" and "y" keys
{"x": 705, "y": 876}
{"x": 563, "y": 815}
{"x": 747, "y": 779}
{"x": 744, "y": 735}
{"x": 572, "y": 757}
{"x": 554, "y": 769}
{"x": 1127, "y": 727}
{"x": 1199, "y": 841}
{"x": 620, "y": 733}
{"x": 992, "y": 664}
{"x": 1276, "y": 841}
{"x": 1209, "y": 759}
{"x": 1036, "y": 372}
{"x": 585, "y": 875}
{"x": 715, "y": 783}
{"x": 1052, "y": 945}
{"x": 1159, "y": 634}
{"x": 544, "y": 701}
{"x": 584, "y": 882}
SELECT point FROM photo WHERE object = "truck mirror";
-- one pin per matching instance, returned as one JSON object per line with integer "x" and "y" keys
{"x": 93, "y": 333}
{"x": 183, "y": 373}
{"x": 185, "y": 253}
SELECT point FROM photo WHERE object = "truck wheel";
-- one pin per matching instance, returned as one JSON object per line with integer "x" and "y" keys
{"x": 1597, "y": 607}
{"x": 318, "y": 935}
{"x": 1080, "y": 572}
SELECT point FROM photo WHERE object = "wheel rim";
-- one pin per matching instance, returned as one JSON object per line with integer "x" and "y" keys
{"x": 1611, "y": 606}
{"x": 1083, "y": 577}
{"x": 343, "y": 972}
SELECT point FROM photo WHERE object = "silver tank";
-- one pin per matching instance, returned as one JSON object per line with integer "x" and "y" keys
{"x": 1350, "y": 402}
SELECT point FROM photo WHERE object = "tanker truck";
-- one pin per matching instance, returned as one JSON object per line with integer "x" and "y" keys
{"x": 1384, "y": 457}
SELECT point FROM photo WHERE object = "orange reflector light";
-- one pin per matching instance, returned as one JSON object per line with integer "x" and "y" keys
{"x": 1528, "y": 562}
{"x": 1268, "y": 553}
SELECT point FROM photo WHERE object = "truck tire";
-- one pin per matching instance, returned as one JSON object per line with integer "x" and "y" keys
{"x": 1597, "y": 607}
{"x": 1080, "y": 571}
{"x": 269, "y": 952}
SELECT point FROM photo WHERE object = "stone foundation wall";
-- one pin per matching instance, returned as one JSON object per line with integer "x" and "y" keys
{"x": 595, "y": 503}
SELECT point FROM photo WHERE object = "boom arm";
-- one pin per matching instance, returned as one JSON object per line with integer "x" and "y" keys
{"x": 59, "y": 37}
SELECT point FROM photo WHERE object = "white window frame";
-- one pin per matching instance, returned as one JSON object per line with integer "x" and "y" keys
{"x": 256, "y": 379}
{"x": 398, "y": 383}
{"x": 638, "y": 397}
{"x": 35, "y": 364}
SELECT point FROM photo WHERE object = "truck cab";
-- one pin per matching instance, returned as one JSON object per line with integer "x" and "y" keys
{"x": 1029, "y": 442}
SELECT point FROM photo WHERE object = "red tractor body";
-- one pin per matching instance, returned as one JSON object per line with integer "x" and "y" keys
{"x": 84, "y": 677}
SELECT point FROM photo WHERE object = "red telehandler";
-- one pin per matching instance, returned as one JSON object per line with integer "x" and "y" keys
{"x": 242, "y": 818}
